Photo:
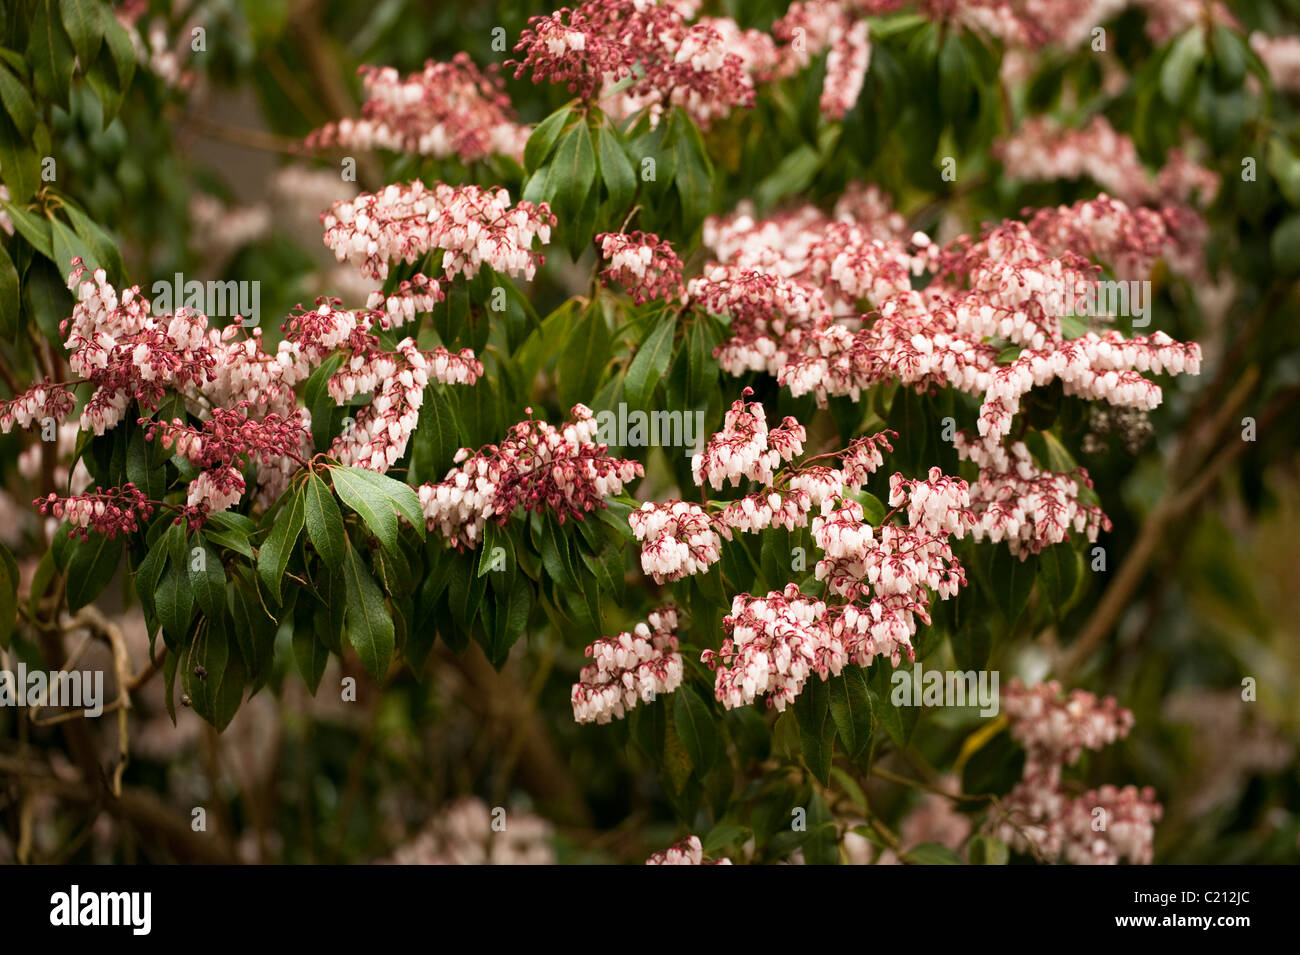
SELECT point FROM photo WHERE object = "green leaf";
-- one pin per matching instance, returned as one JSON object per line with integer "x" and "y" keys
{"x": 378, "y": 500}
{"x": 650, "y": 363}
{"x": 369, "y": 624}
{"x": 1058, "y": 573}
{"x": 1285, "y": 246}
{"x": 993, "y": 768}
{"x": 273, "y": 556}
{"x": 253, "y": 627}
{"x": 20, "y": 167}
{"x": 615, "y": 169}
{"x": 8, "y": 596}
{"x": 694, "y": 175}
{"x": 506, "y": 621}
{"x": 898, "y": 721}
{"x": 816, "y": 728}
{"x": 956, "y": 68}
{"x": 46, "y": 297}
{"x": 543, "y": 138}
{"x": 436, "y": 438}
{"x": 324, "y": 521}
{"x": 169, "y": 679}
{"x": 582, "y": 362}
{"x": 9, "y": 324}
{"x": 148, "y": 574}
{"x": 17, "y": 102}
{"x": 932, "y": 853}
{"x": 91, "y": 567}
{"x": 207, "y": 578}
{"x": 34, "y": 229}
{"x": 1011, "y": 580}
{"x": 174, "y": 602}
{"x": 111, "y": 72}
{"x": 50, "y": 53}
{"x": 213, "y": 676}
{"x": 310, "y": 654}
{"x": 67, "y": 246}
{"x": 101, "y": 245}
{"x": 1180, "y": 65}
{"x": 695, "y": 725}
{"x": 986, "y": 850}
{"x": 850, "y": 704}
{"x": 574, "y": 169}
{"x": 82, "y": 22}
{"x": 821, "y": 845}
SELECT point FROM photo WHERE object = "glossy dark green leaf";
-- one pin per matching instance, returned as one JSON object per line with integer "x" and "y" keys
{"x": 616, "y": 170}
{"x": 850, "y": 704}
{"x": 9, "y": 297}
{"x": 207, "y": 577}
{"x": 369, "y": 624}
{"x": 932, "y": 853}
{"x": 310, "y": 654}
{"x": 696, "y": 726}
{"x": 8, "y": 596}
{"x": 1011, "y": 581}
{"x": 90, "y": 567}
{"x": 650, "y": 362}
{"x": 378, "y": 499}
{"x": 543, "y": 138}
{"x": 583, "y": 359}
{"x": 50, "y": 52}
{"x": 81, "y": 21}
{"x": 19, "y": 161}
{"x": 816, "y": 728}
{"x": 273, "y": 556}
{"x": 324, "y": 521}
{"x": 17, "y": 102}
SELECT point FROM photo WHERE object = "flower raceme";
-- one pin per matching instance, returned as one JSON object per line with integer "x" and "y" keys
{"x": 629, "y": 668}
{"x": 641, "y": 56}
{"x": 537, "y": 467}
{"x": 1100, "y": 826}
{"x": 689, "y": 851}
{"x": 643, "y": 264}
{"x": 446, "y": 109}
{"x": 472, "y": 227}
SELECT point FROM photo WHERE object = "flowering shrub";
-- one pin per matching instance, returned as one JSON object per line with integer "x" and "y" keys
{"x": 908, "y": 264}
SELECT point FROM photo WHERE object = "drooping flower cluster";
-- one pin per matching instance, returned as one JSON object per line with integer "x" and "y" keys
{"x": 108, "y": 511}
{"x": 746, "y": 448}
{"x": 446, "y": 109}
{"x": 629, "y": 668}
{"x": 472, "y": 227}
{"x": 687, "y": 852}
{"x": 1100, "y": 826}
{"x": 644, "y": 265}
{"x": 886, "y": 573}
{"x": 678, "y": 539}
{"x": 878, "y": 580}
{"x": 1281, "y": 56}
{"x": 128, "y": 353}
{"x": 45, "y": 399}
{"x": 1041, "y": 149}
{"x": 1010, "y": 286}
{"x": 772, "y": 645}
{"x": 1030, "y": 508}
{"x": 225, "y": 442}
{"x": 537, "y": 467}
{"x": 468, "y": 833}
{"x": 640, "y": 56}
{"x": 811, "y": 27}
{"x": 396, "y": 379}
